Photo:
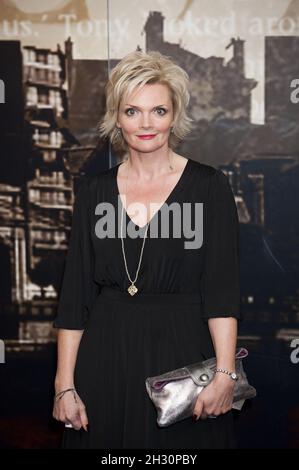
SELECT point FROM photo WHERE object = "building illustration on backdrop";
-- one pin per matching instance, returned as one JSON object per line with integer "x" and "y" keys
{"x": 50, "y": 141}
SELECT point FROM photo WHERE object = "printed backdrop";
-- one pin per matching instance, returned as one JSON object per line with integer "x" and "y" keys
{"x": 243, "y": 63}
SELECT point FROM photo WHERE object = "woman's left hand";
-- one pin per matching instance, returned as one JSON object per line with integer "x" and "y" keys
{"x": 216, "y": 398}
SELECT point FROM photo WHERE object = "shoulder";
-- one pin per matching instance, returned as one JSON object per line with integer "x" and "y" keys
{"x": 103, "y": 174}
{"x": 204, "y": 170}
{"x": 92, "y": 184}
{"x": 209, "y": 171}
{"x": 209, "y": 180}
{"x": 207, "y": 174}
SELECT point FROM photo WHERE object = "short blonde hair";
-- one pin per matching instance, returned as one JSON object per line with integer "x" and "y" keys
{"x": 133, "y": 71}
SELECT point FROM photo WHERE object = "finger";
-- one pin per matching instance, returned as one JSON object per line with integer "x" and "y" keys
{"x": 198, "y": 409}
{"x": 77, "y": 426}
{"x": 225, "y": 402}
{"x": 75, "y": 422}
{"x": 67, "y": 422}
{"x": 210, "y": 411}
{"x": 226, "y": 405}
{"x": 226, "y": 409}
{"x": 84, "y": 419}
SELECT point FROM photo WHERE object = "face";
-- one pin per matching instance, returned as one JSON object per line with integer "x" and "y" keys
{"x": 149, "y": 112}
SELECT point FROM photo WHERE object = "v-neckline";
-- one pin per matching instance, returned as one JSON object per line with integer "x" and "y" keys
{"x": 176, "y": 188}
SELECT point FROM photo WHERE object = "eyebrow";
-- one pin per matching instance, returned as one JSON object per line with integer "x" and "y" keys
{"x": 133, "y": 106}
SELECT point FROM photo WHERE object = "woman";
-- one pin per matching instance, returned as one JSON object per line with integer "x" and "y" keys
{"x": 133, "y": 305}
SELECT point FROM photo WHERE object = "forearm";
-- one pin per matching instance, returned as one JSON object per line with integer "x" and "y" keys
{"x": 224, "y": 335}
{"x": 67, "y": 348}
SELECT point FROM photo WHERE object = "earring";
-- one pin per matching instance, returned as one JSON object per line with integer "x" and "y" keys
{"x": 171, "y": 130}
{"x": 118, "y": 130}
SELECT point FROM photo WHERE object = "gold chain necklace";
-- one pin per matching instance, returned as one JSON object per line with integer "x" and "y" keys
{"x": 132, "y": 289}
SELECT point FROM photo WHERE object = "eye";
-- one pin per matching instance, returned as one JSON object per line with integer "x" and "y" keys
{"x": 162, "y": 109}
{"x": 129, "y": 109}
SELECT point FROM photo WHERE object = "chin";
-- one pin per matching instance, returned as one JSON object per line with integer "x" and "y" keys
{"x": 146, "y": 150}
{"x": 149, "y": 146}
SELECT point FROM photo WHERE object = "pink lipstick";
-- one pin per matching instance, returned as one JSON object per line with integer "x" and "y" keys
{"x": 147, "y": 136}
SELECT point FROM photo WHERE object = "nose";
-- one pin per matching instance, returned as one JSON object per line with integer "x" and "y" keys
{"x": 145, "y": 121}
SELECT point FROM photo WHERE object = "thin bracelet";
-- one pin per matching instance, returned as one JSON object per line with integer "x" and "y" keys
{"x": 232, "y": 375}
{"x": 223, "y": 370}
{"x": 59, "y": 395}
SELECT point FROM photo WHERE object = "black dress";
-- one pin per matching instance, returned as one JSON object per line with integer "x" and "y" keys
{"x": 162, "y": 327}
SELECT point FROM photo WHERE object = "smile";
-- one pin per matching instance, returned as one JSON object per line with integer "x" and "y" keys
{"x": 146, "y": 136}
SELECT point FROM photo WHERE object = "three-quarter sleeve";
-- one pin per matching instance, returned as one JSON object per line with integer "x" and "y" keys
{"x": 78, "y": 290}
{"x": 221, "y": 277}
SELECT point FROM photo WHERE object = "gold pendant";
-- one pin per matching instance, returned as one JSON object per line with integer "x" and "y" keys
{"x": 132, "y": 289}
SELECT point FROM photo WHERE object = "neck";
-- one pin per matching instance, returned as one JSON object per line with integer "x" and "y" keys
{"x": 150, "y": 166}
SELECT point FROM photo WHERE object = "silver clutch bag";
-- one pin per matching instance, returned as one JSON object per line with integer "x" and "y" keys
{"x": 174, "y": 393}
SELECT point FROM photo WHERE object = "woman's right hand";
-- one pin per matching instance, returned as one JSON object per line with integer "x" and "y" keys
{"x": 70, "y": 409}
